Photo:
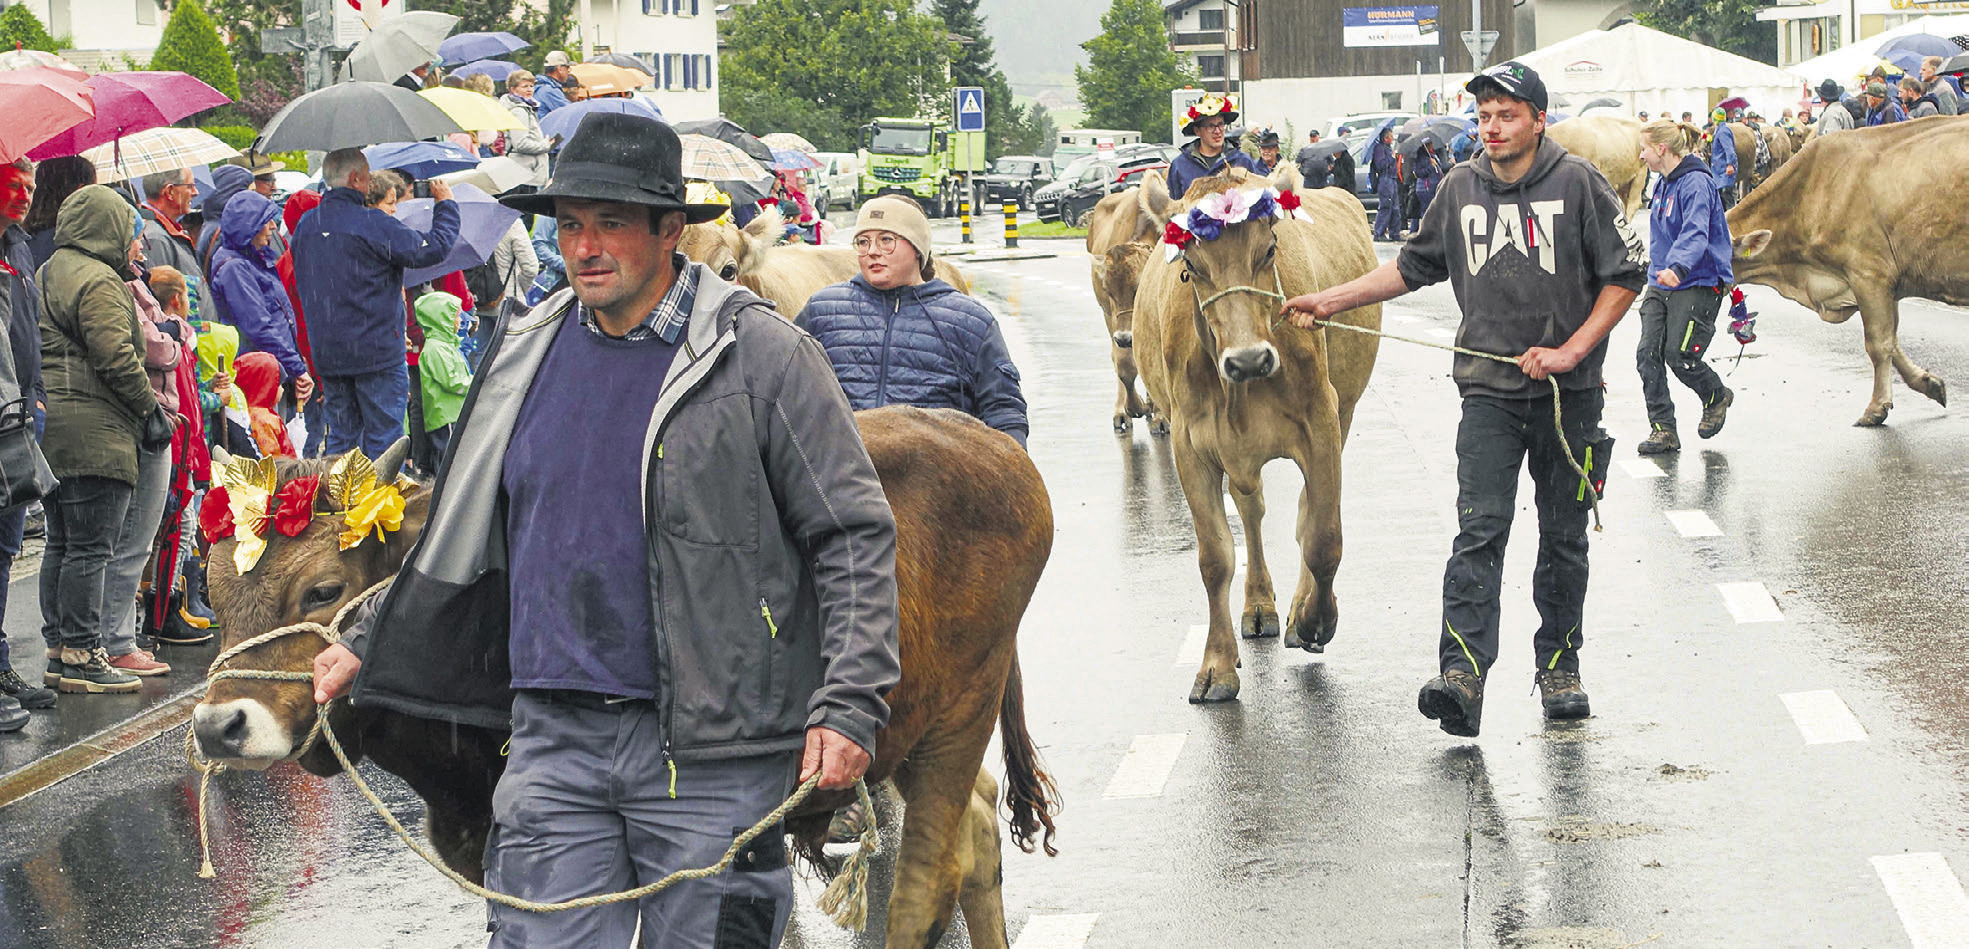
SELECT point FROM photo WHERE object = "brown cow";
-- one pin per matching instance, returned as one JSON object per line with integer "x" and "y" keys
{"x": 1782, "y": 145}
{"x": 786, "y": 274}
{"x": 1240, "y": 394}
{"x": 1612, "y": 143}
{"x": 1117, "y": 223}
{"x": 1841, "y": 243}
{"x": 974, "y": 528}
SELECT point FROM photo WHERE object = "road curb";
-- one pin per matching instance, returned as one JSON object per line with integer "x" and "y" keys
{"x": 46, "y": 772}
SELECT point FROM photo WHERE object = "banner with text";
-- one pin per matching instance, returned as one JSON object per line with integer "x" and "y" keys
{"x": 1389, "y": 26}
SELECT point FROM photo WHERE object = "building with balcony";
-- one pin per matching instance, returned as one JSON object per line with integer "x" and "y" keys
{"x": 677, "y": 38}
{"x": 1204, "y": 35}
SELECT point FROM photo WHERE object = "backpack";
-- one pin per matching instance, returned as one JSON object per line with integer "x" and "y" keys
{"x": 485, "y": 283}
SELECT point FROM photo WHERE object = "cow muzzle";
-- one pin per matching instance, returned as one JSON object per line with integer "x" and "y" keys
{"x": 242, "y": 733}
{"x": 1249, "y": 363}
{"x": 1124, "y": 339}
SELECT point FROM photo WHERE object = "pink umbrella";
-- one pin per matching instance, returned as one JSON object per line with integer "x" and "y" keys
{"x": 39, "y": 105}
{"x": 129, "y": 102}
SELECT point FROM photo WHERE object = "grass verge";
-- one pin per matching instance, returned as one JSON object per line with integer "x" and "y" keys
{"x": 1051, "y": 229}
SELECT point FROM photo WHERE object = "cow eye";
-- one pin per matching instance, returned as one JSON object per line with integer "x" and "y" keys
{"x": 728, "y": 272}
{"x": 324, "y": 594}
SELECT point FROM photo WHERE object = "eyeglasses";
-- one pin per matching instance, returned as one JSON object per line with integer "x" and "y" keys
{"x": 1209, "y": 125}
{"x": 875, "y": 243}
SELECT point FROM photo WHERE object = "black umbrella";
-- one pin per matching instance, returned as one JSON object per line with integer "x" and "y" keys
{"x": 1957, "y": 63}
{"x": 353, "y": 115}
{"x": 1440, "y": 135}
{"x": 1328, "y": 148}
{"x": 726, "y": 130}
{"x": 1606, "y": 101}
{"x": 625, "y": 61}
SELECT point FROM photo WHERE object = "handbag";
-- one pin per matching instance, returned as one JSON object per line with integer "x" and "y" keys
{"x": 24, "y": 472}
{"x": 159, "y": 427}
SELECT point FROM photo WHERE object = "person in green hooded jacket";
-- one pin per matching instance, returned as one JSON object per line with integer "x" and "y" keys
{"x": 442, "y": 374}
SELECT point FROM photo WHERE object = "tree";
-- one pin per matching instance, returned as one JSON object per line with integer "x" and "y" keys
{"x": 858, "y": 59}
{"x": 1042, "y": 135}
{"x": 774, "y": 111}
{"x": 1130, "y": 71}
{"x": 21, "y": 29}
{"x": 191, "y": 45}
{"x": 266, "y": 83}
{"x": 974, "y": 64}
{"x": 1728, "y": 25}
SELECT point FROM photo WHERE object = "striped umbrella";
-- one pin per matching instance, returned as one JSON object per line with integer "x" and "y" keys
{"x": 153, "y": 150}
{"x": 713, "y": 160}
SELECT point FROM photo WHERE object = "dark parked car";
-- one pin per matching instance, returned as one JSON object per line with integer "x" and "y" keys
{"x": 1077, "y": 190}
{"x": 1014, "y": 178}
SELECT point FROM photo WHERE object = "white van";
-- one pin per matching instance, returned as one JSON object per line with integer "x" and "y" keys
{"x": 1077, "y": 142}
{"x": 1361, "y": 120}
{"x": 834, "y": 180}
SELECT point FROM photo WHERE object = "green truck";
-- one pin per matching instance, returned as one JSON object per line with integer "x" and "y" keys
{"x": 912, "y": 157}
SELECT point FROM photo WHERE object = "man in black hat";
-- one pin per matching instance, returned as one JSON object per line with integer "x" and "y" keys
{"x": 664, "y": 547}
{"x": 1837, "y": 115}
{"x": 1534, "y": 242}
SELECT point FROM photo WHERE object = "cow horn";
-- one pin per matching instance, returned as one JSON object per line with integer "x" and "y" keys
{"x": 391, "y": 460}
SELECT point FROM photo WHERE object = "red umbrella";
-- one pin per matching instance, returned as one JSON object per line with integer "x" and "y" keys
{"x": 1733, "y": 103}
{"x": 129, "y": 102}
{"x": 39, "y": 105}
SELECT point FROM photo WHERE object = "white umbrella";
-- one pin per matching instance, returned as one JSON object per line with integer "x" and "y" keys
{"x": 493, "y": 175}
{"x": 399, "y": 46}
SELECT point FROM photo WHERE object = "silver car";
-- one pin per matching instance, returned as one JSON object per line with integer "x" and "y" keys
{"x": 834, "y": 180}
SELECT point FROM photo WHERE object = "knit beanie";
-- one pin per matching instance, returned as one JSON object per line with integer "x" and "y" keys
{"x": 901, "y": 216}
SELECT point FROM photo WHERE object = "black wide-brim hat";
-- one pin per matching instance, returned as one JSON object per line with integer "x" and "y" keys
{"x": 615, "y": 156}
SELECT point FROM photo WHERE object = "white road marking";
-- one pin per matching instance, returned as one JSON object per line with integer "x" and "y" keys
{"x": 1146, "y": 766}
{"x": 1440, "y": 333}
{"x": 1933, "y": 908}
{"x": 1398, "y": 318}
{"x": 1750, "y": 602}
{"x": 1641, "y": 469}
{"x": 1069, "y": 931}
{"x": 1693, "y": 524}
{"x": 1822, "y": 717}
{"x": 1191, "y": 653}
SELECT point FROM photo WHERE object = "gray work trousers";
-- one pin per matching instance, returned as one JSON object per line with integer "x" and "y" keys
{"x": 589, "y": 805}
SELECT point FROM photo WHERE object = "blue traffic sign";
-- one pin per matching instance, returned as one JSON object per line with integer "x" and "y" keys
{"x": 968, "y": 105}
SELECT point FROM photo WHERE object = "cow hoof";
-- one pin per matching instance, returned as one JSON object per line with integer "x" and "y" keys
{"x": 1874, "y": 417}
{"x": 1158, "y": 426}
{"x": 1260, "y": 625}
{"x": 1121, "y": 425}
{"x": 1212, "y": 687}
{"x": 1311, "y": 635}
{"x": 1933, "y": 387}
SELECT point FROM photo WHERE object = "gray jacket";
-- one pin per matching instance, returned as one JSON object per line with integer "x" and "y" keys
{"x": 771, "y": 545}
{"x": 526, "y": 146}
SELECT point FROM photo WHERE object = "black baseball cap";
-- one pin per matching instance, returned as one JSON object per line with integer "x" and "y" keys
{"x": 1514, "y": 79}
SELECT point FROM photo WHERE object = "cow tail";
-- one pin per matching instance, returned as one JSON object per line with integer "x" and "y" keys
{"x": 1030, "y": 793}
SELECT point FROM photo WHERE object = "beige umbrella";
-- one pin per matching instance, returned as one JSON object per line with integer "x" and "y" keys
{"x": 35, "y": 59}
{"x": 153, "y": 150}
{"x": 788, "y": 140}
{"x": 712, "y": 160}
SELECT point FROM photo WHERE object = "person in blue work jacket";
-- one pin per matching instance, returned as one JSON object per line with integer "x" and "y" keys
{"x": 1690, "y": 242}
{"x": 1723, "y": 157}
{"x": 1206, "y": 156}
{"x": 1387, "y": 188}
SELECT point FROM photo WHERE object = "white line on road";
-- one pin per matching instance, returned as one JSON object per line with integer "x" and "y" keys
{"x": 1440, "y": 333}
{"x": 1822, "y": 717}
{"x": 1750, "y": 602}
{"x": 1641, "y": 468}
{"x": 1191, "y": 654}
{"x": 1057, "y": 932}
{"x": 1399, "y": 318}
{"x": 1693, "y": 524}
{"x": 1146, "y": 766}
{"x": 1928, "y": 897}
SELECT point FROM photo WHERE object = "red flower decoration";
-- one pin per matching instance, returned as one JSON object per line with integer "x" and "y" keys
{"x": 1175, "y": 234}
{"x": 1288, "y": 201}
{"x": 293, "y": 507}
{"x": 215, "y": 516}
{"x": 1194, "y": 114}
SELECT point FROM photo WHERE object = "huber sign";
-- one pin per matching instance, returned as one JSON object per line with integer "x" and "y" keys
{"x": 1389, "y": 26}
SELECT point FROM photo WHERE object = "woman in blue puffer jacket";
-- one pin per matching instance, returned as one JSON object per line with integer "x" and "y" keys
{"x": 897, "y": 335}
{"x": 244, "y": 279}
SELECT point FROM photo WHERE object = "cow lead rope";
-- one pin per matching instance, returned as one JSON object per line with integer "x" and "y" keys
{"x": 846, "y": 897}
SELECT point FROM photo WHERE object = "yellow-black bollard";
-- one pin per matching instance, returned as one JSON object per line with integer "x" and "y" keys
{"x": 964, "y": 213}
{"x": 1011, "y": 224}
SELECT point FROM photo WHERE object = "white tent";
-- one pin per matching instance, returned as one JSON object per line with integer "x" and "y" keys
{"x": 1655, "y": 72}
{"x": 1846, "y": 64}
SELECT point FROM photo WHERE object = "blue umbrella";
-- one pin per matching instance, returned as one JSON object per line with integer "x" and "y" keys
{"x": 421, "y": 159}
{"x": 564, "y": 120}
{"x": 465, "y": 47}
{"x": 495, "y": 69}
{"x": 1908, "y": 60}
{"x": 1919, "y": 44}
{"x": 793, "y": 159}
{"x": 482, "y": 222}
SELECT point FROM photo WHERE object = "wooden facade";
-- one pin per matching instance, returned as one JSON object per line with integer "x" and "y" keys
{"x": 1295, "y": 39}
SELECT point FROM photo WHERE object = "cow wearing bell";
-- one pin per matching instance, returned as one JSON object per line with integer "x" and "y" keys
{"x": 1840, "y": 242}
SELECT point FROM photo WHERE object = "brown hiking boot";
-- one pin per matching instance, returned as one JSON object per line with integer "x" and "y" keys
{"x": 1560, "y": 692}
{"x": 1660, "y": 441}
{"x": 1454, "y": 699}
{"x": 1714, "y": 413}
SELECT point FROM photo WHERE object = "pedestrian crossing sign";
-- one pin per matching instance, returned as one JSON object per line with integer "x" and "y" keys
{"x": 968, "y": 106}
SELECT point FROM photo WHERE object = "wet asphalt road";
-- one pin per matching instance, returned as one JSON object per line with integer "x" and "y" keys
{"x": 1696, "y": 808}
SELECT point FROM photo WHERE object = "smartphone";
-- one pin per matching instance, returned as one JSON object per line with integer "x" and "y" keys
{"x": 420, "y": 189}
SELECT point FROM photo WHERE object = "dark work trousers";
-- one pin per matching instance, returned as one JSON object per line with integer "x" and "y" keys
{"x": 84, "y": 515}
{"x": 1387, "y": 209}
{"x": 366, "y": 411}
{"x": 589, "y": 805}
{"x": 1728, "y": 195}
{"x": 1496, "y": 438}
{"x": 1676, "y": 327}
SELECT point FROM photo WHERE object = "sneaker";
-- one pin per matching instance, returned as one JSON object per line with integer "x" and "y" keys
{"x": 1714, "y": 413}
{"x": 1560, "y": 693}
{"x": 13, "y": 718}
{"x": 1456, "y": 700}
{"x": 88, "y": 671}
{"x": 29, "y": 696}
{"x": 1661, "y": 441}
{"x": 176, "y": 631}
{"x": 140, "y": 663}
{"x": 37, "y": 522}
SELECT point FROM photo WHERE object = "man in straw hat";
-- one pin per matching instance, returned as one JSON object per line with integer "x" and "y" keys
{"x": 647, "y": 465}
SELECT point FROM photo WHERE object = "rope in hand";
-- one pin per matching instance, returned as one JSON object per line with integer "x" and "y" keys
{"x": 1558, "y": 412}
{"x": 846, "y": 897}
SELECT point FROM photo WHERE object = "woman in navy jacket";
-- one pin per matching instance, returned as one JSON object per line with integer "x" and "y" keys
{"x": 1690, "y": 242}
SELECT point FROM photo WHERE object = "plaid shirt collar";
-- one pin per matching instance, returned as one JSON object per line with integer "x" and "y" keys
{"x": 671, "y": 313}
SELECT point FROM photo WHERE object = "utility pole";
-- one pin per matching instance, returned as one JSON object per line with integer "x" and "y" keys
{"x": 1477, "y": 27}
